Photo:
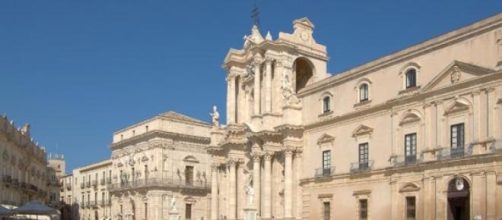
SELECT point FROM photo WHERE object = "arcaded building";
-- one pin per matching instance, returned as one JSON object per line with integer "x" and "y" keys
{"x": 416, "y": 134}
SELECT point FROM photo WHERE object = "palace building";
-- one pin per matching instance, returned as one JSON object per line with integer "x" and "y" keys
{"x": 416, "y": 134}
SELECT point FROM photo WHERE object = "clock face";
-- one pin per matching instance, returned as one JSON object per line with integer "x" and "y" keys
{"x": 304, "y": 36}
{"x": 459, "y": 184}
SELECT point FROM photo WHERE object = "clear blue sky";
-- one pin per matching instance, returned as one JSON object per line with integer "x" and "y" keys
{"x": 80, "y": 70}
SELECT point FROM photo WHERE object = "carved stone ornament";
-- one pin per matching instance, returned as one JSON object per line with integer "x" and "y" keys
{"x": 459, "y": 184}
{"x": 120, "y": 164}
{"x": 455, "y": 75}
{"x": 131, "y": 162}
{"x": 144, "y": 158}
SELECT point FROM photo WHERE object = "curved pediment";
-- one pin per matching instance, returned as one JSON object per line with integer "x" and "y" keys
{"x": 457, "y": 106}
{"x": 362, "y": 130}
{"x": 409, "y": 187}
{"x": 190, "y": 159}
{"x": 409, "y": 117}
{"x": 325, "y": 138}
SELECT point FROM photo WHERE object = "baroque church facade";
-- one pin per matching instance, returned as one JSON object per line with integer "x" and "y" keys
{"x": 412, "y": 135}
{"x": 416, "y": 134}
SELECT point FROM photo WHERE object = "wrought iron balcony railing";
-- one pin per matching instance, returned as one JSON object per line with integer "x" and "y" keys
{"x": 159, "y": 182}
{"x": 361, "y": 166}
{"x": 325, "y": 171}
{"x": 455, "y": 152}
{"x": 402, "y": 160}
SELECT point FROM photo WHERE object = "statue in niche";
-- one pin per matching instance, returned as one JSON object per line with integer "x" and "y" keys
{"x": 250, "y": 195}
{"x": 287, "y": 91}
{"x": 215, "y": 116}
{"x": 172, "y": 204}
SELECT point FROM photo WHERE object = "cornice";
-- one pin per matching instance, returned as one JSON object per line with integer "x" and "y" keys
{"x": 420, "y": 96}
{"x": 433, "y": 44}
{"x": 236, "y": 57}
{"x": 165, "y": 134}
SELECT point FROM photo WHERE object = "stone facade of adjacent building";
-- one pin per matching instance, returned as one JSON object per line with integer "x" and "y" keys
{"x": 23, "y": 168}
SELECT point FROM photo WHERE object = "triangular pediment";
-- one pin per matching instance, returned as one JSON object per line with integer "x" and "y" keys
{"x": 362, "y": 130}
{"x": 456, "y": 72}
{"x": 325, "y": 138}
{"x": 304, "y": 21}
{"x": 457, "y": 106}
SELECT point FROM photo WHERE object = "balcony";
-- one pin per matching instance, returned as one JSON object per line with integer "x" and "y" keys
{"x": 7, "y": 179}
{"x": 452, "y": 153}
{"x": 171, "y": 183}
{"x": 401, "y": 160}
{"x": 32, "y": 188}
{"x": 322, "y": 172}
{"x": 15, "y": 182}
{"x": 361, "y": 166}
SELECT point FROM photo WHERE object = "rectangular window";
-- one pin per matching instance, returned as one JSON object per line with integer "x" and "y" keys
{"x": 410, "y": 148}
{"x": 363, "y": 156}
{"x": 326, "y": 211}
{"x": 411, "y": 78}
{"x": 410, "y": 208}
{"x": 457, "y": 140}
{"x": 326, "y": 162}
{"x": 189, "y": 175}
{"x": 188, "y": 211}
{"x": 363, "y": 209}
{"x": 146, "y": 210}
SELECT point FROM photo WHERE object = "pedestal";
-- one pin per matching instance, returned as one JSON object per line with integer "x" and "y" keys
{"x": 250, "y": 214}
{"x": 174, "y": 215}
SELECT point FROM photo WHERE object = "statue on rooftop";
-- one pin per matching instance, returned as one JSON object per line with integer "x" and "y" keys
{"x": 215, "y": 116}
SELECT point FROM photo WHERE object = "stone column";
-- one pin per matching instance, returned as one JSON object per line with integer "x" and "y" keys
{"x": 214, "y": 192}
{"x": 257, "y": 89}
{"x": 267, "y": 190}
{"x": 232, "y": 190}
{"x": 288, "y": 183}
{"x": 256, "y": 181}
{"x": 268, "y": 85}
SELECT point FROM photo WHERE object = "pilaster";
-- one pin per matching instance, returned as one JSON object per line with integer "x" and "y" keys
{"x": 288, "y": 184}
{"x": 267, "y": 190}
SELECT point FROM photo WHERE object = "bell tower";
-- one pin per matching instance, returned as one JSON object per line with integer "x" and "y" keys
{"x": 265, "y": 76}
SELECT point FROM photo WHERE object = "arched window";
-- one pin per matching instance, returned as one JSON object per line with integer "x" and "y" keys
{"x": 326, "y": 104}
{"x": 363, "y": 92}
{"x": 411, "y": 78}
